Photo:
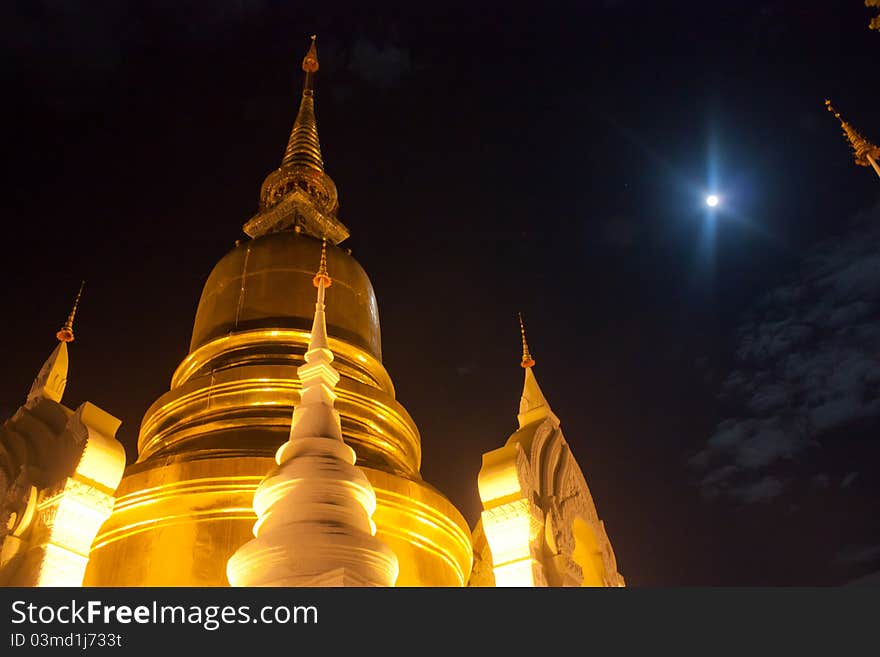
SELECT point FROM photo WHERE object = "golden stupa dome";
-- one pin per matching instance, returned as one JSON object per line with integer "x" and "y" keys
{"x": 267, "y": 283}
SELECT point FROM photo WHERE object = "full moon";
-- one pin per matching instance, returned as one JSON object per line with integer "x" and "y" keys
{"x": 712, "y": 200}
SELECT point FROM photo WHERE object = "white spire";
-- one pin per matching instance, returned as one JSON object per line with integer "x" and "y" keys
{"x": 315, "y": 415}
{"x": 532, "y": 404}
{"x": 52, "y": 379}
{"x": 314, "y": 510}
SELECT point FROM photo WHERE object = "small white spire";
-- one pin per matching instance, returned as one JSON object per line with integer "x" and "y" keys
{"x": 315, "y": 416}
{"x": 314, "y": 510}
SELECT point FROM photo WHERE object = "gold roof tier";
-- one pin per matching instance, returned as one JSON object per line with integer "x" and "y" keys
{"x": 267, "y": 283}
{"x": 177, "y": 524}
{"x": 185, "y": 506}
{"x": 299, "y": 195}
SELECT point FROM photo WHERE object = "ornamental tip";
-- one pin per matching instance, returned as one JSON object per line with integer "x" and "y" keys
{"x": 831, "y": 109}
{"x": 65, "y": 333}
{"x": 527, "y": 360}
{"x": 863, "y": 150}
{"x": 310, "y": 61}
{"x": 322, "y": 275}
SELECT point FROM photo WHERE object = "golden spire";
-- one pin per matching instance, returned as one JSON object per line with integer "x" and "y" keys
{"x": 303, "y": 148}
{"x": 65, "y": 333}
{"x": 527, "y": 360}
{"x": 299, "y": 195}
{"x": 865, "y": 153}
{"x": 323, "y": 275}
{"x": 310, "y": 63}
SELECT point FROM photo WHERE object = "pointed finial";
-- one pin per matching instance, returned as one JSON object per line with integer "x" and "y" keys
{"x": 310, "y": 61}
{"x": 65, "y": 333}
{"x": 831, "y": 109}
{"x": 527, "y": 360}
{"x": 323, "y": 275}
{"x": 310, "y": 66}
{"x": 299, "y": 195}
{"x": 865, "y": 152}
{"x": 303, "y": 147}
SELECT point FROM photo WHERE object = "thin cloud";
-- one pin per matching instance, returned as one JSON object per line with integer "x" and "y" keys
{"x": 383, "y": 65}
{"x": 806, "y": 367}
{"x": 858, "y": 555}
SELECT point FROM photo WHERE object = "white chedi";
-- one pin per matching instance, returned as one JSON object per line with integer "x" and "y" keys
{"x": 314, "y": 509}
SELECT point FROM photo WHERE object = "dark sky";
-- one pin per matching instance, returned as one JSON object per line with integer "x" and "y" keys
{"x": 716, "y": 375}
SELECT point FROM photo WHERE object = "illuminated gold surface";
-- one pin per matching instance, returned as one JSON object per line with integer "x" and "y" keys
{"x": 204, "y": 446}
{"x": 315, "y": 507}
{"x": 177, "y": 522}
{"x": 267, "y": 283}
{"x": 185, "y": 506}
{"x": 248, "y": 404}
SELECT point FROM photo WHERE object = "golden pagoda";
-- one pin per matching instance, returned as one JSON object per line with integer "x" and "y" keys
{"x": 185, "y": 506}
{"x": 280, "y": 455}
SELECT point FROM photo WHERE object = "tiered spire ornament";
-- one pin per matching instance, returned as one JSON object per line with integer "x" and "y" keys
{"x": 314, "y": 510}
{"x": 65, "y": 333}
{"x": 299, "y": 195}
{"x": 323, "y": 276}
{"x": 51, "y": 380}
{"x": 532, "y": 405}
{"x": 865, "y": 153}
{"x": 304, "y": 147}
{"x": 527, "y": 360}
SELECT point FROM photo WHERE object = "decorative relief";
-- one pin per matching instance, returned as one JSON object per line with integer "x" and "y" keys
{"x": 567, "y": 542}
{"x": 52, "y": 511}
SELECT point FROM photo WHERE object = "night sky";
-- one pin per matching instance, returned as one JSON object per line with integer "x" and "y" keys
{"x": 716, "y": 373}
